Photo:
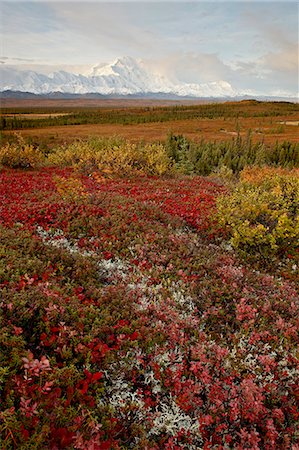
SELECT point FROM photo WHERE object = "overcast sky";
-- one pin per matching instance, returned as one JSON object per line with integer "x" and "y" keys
{"x": 252, "y": 45}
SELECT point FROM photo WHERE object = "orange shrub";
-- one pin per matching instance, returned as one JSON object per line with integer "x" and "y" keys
{"x": 71, "y": 188}
{"x": 258, "y": 176}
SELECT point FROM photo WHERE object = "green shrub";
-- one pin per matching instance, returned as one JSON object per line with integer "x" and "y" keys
{"x": 203, "y": 158}
{"x": 261, "y": 214}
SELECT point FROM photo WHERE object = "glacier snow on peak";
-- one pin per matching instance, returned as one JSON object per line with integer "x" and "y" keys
{"x": 124, "y": 76}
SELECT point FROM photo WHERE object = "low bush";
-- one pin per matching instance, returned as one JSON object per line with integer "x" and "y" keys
{"x": 83, "y": 154}
{"x": 178, "y": 154}
{"x": 20, "y": 155}
{"x": 261, "y": 214}
{"x": 113, "y": 155}
{"x": 70, "y": 188}
{"x": 123, "y": 326}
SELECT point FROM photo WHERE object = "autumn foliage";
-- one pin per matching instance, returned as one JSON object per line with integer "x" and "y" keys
{"x": 113, "y": 156}
{"x": 128, "y": 321}
{"x": 262, "y": 213}
{"x": 20, "y": 154}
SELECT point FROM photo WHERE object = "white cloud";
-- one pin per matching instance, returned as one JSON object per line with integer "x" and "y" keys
{"x": 196, "y": 67}
{"x": 250, "y": 46}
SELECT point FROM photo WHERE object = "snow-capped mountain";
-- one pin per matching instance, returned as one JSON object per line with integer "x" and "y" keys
{"x": 129, "y": 76}
{"x": 125, "y": 76}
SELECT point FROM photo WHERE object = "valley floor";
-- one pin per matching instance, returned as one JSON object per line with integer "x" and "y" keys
{"x": 268, "y": 130}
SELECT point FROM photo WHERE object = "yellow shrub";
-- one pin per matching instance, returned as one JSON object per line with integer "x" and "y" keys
{"x": 113, "y": 156}
{"x": 76, "y": 154}
{"x": 157, "y": 162}
{"x": 90, "y": 155}
{"x": 21, "y": 155}
{"x": 261, "y": 214}
{"x": 121, "y": 160}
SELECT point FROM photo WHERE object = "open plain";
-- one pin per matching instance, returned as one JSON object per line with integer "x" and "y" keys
{"x": 153, "y": 120}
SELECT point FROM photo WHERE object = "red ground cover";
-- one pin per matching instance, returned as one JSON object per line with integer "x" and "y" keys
{"x": 125, "y": 324}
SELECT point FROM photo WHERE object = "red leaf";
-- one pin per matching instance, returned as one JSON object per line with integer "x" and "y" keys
{"x": 134, "y": 336}
{"x": 97, "y": 376}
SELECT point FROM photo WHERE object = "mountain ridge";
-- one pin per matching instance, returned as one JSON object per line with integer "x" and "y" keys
{"x": 20, "y": 95}
{"x": 124, "y": 77}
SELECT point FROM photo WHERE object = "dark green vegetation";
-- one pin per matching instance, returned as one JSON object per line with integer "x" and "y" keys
{"x": 205, "y": 157}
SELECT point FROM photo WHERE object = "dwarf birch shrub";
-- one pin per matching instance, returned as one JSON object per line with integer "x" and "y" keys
{"x": 84, "y": 155}
{"x": 130, "y": 158}
{"x": 123, "y": 159}
{"x": 261, "y": 214}
{"x": 113, "y": 155}
{"x": 157, "y": 161}
{"x": 20, "y": 155}
{"x": 71, "y": 155}
{"x": 267, "y": 174}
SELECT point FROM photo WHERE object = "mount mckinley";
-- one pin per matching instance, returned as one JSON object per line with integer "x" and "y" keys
{"x": 125, "y": 76}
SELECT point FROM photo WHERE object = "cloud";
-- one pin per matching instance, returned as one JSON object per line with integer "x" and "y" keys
{"x": 28, "y": 17}
{"x": 193, "y": 67}
{"x": 272, "y": 62}
{"x": 12, "y": 59}
{"x": 285, "y": 61}
{"x": 251, "y": 46}
{"x": 116, "y": 29}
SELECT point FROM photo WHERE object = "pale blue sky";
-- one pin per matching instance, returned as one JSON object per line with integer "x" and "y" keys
{"x": 252, "y": 45}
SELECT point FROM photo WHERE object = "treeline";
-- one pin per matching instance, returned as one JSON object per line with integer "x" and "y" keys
{"x": 204, "y": 157}
{"x": 127, "y": 116}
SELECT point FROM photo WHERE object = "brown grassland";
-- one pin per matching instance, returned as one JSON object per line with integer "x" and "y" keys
{"x": 267, "y": 128}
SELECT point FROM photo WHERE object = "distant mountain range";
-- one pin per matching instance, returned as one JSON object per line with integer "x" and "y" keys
{"x": 124, "y": 77}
